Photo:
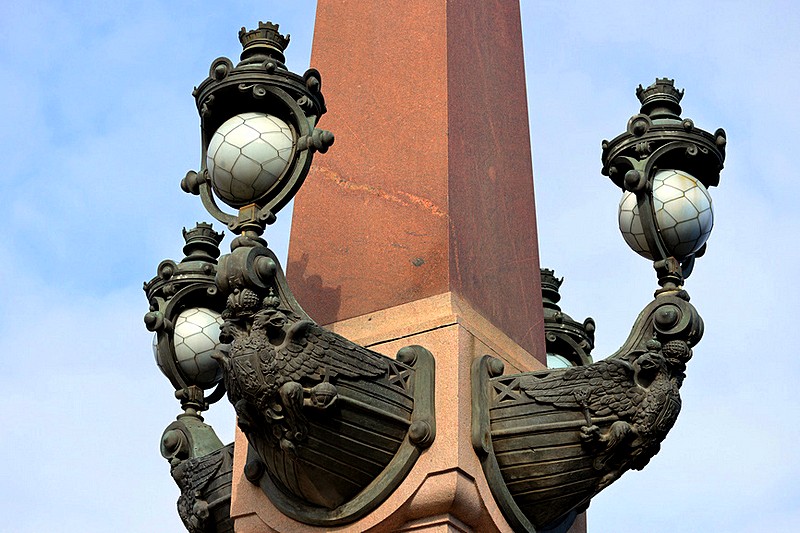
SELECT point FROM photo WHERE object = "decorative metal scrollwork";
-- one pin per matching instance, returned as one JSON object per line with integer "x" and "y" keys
{"x": 550, "y": 440}
{"x": 332, "y": 426}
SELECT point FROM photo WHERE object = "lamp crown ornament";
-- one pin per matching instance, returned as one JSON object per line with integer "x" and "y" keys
{"x": 660, "y": 98}
{"x": 202, "y": 243}
{"x": 264, "y": 39}
{"x": 550, "y": 286}
{"x": 567, "y": 341}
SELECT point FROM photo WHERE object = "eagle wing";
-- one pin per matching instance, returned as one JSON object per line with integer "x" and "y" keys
{"x": 311, "y": 351}
{"x": 604, "y": 388}
{"x": 193, "y": 476}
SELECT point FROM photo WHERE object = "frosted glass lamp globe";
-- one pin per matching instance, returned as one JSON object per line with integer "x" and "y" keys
{"x": 247, "y": 155}
{"x": 196, "y": 338}
{"x": 557, "y": 361}
{"x": 683, "y": 211}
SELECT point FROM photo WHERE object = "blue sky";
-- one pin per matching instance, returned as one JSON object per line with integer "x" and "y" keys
{"x": 99, "y": 126}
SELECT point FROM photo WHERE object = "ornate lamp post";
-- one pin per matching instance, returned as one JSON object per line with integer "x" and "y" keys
{"x": 333, "y": 427}
{"x": 569, "y": 343}
{"x": 185, "y": 314}
{"x": 665, "y": 166}
{"x": 281, "y": 371}
{"x": 598, "y": 421}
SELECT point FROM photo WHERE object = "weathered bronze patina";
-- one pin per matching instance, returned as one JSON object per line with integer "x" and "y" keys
{"x": 564, "y": 337}
{"x": 551, "y": 440}
{"x": 200, "y": 464}
{"x": 333, "y": 427}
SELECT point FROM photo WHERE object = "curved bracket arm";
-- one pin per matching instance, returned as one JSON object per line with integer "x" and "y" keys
{"x": 550, "y": 440}
{"x": 333, "y": 427}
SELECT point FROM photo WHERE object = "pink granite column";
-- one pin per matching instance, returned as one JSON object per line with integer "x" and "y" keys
{"x": 429, "y": 186}
{"x": 418, "y": 227}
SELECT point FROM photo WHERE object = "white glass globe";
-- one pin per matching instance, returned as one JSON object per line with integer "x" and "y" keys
{"x": 196, "y": 338}
{"x": 247, "y": 155}
{"x": 557, "y": 361}
{"x": 683, "y": 210}
{"x": 155, "y": 353}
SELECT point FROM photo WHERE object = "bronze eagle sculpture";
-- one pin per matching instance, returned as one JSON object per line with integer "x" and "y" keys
{"x": 639, "y": 393}
{"x": 280, "y": 362}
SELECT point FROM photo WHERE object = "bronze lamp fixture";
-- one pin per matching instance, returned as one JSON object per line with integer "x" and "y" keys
{"x": 333, "y": 427}
{"x": 550, "y": 440}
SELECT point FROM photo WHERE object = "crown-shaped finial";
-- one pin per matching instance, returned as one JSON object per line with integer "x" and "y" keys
{"x": 202, "y": 231}
{"x": 660, "y": 98}
{"x": 202, "y": 242}
{"x": 265, "y": 39}
{"x": 550, "y": 286}
{"x": 549, "y": 278}
{"x": 271, "y": 300}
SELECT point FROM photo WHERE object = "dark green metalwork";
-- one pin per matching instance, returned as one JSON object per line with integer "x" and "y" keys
{"x": 333, "y": 427}
{"x": 550, "y": 440}
{"x": 418, "y": 367}
{"x": 181, "y": 286}
{"x": 564, "y": 336}
{"x": 348, "y": 421}
{"x": 657, "y": 125}
{"x": 205, "y": 482}
{"x": 658, "y": 138}
{"x": 200, "y": 464}
{"x": 261, "y": 83}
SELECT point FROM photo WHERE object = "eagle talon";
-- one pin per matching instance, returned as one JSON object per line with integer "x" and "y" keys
{"x": 322, "y": 395}
{"x": 590, "y": 434}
